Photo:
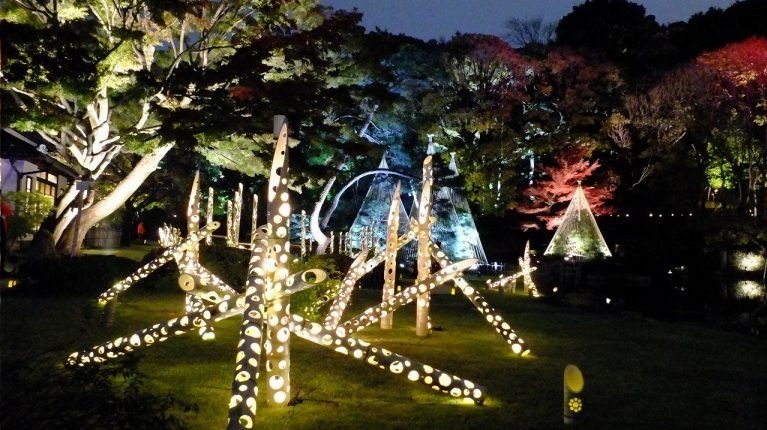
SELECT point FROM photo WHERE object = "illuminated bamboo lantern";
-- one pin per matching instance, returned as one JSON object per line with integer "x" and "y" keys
{"x": 277, "y": 342}
{"x": 237, "y": 215}
{"x": 267, "y": 321}
{"x": 230, "y": 225}
{"x": 573, "y": 395}
{"x": 338, "y": 341}
{"x": 390, "y": 267}
{"x": 339, "y": 304}
{"x": 424, "y": 259}
{"x": 188, "y": 263}
{"x": 209, "y": 215}
{"x": 254, "y": 220}
{"x": 526, "y": 269}
{"x": 174, "y": 253}
{"x": 331, "y": 249}
{"x": 495, "y": 319}
{"x": 406, "y": 296}
{"x": 266, "y": 274}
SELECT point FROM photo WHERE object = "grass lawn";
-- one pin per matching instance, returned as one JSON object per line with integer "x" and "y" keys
{"x": 640, "y": 373}
{"x": 135, "y": 251}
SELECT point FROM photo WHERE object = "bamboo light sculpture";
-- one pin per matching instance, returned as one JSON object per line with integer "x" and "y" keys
{"x": 390, "y": 268}
{"x": 237, "y": 214}
{"x": 188, "y": 263}
{"x": 230, "y": 225}
{"x": 254, "y": 220}
{"x": 267, "y": 272}
{"x": 209, "y": 215}
{"x": 525, "y": 269}
{"x": 360, "y": 267}
{"x": 267, "y": 321}
{"x": 422, "y": 326}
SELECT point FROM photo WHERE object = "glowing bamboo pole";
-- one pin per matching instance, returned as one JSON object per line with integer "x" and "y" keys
{"x": 147, "y": 269}
{"x": 406, "y": 296}
{"x": 524, "y": 264}
{"x": 424, "y": 259}
{"x": 390, "y": 267}
{"x": 190, "y": 259}
{"x": 204, "y": 284}
{"x": 277, "y": 342}
{"x": 237, "y": 215}
{"x": 340, "y": 342}
{"x": 254, "y": 220}
{"x": 356, "y": 271}
{"x": 193, "y": 215}
{"x": 242, "y": 404}
{"x": 524, "y": 273}
{"x": 332, "y": 242}
{"x": 491, "y": 316}
{"x": 209, "y": 215}
{"x": 147, "y": 337}
{"x": 230, "y": 242}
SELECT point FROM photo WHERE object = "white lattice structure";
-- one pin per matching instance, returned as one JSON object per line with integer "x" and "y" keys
{"x": 578, "y": 235}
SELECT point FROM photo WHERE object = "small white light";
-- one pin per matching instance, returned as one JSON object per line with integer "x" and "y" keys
{"x": 555, "y": 289}
{"x": 607, "y": 300}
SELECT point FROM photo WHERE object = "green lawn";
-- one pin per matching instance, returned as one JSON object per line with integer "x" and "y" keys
{"x": 135, "y": 251}
{"x": 640, "y": 373}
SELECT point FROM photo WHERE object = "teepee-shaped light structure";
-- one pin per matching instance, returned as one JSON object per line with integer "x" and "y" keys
{"x": 578, "y": 235}
{"x": 375, "y": 209}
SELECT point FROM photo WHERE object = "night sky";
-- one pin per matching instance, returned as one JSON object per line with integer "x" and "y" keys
{"x": 432, "y": 19}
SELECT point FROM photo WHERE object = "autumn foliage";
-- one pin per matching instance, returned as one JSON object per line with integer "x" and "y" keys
{"x": 740, "y": 70}
{"x": 548, "y": 197}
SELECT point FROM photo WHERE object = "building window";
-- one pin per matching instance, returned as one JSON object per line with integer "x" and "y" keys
{"x": 45, "y": 185}
{"x": 28, "y": 184}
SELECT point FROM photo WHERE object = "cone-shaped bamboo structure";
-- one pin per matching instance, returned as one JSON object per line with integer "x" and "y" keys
{"x": 578, "y": 235}
{"x": 375, "y": 210}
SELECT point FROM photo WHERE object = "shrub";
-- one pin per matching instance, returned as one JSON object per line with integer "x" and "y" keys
{"x": 305, "y": 302}
{"x": 110, "y": 396}
{"x": 29, "y": 211}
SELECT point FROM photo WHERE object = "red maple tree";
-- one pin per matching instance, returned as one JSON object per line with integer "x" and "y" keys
{"x": 740, "y": 71}
{"x": 548, "y": 197}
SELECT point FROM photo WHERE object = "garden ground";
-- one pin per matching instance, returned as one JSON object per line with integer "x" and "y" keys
{"x": 640, "y": 373}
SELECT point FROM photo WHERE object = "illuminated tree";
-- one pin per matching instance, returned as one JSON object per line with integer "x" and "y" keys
{"x": 548, "y": 197}
{"x": 651, "y": 122}
{"x": 90, "y": 78}
{"x": 479, "y": 112}
{"x": 738, "y": 140}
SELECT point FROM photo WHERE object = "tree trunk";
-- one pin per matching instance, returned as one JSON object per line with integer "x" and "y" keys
{"x": 314, "y": 222}
{"x": 106, "y": 206}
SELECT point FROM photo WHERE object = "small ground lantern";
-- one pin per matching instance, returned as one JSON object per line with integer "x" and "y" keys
{"x": 573, "y": 402}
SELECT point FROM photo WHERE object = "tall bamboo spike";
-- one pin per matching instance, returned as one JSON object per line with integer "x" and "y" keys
{"x": 209, "y": 215}
{"x": 424, "y": 258}
{"x": 390, "y": 267}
